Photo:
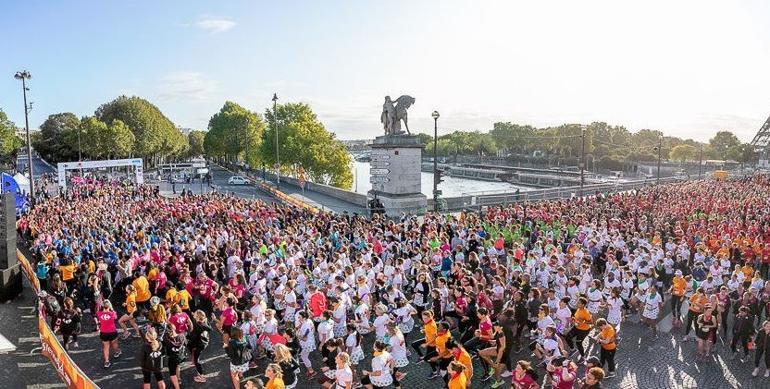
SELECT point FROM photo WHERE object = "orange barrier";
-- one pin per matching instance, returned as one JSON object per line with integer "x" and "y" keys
{"x": 68, "y": 371}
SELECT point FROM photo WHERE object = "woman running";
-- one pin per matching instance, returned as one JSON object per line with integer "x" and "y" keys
{"x": 108, "y": 333}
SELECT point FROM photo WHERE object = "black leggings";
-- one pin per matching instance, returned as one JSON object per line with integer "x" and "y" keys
{"x": 173, "y": 365}
{"x": 676, "y": 306}
{"x": 744, "y": 341}
{"x": 579, "y": 335}
{"x": 68, "y": 336}
{"x": 691, "y": 318}
{"x": 758, "y": 357}
{"x": 196, "y": 356}
{"x": 148, "y": 376}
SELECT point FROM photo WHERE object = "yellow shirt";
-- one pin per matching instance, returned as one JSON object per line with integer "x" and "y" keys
{"x": 183, "y": 299}
{"x": 275, "y": 383}
{"x": 608, "y": 332}
{"x": 431, "y": 329}
{"x": 458, "y": 382}
{"x": 465, "y": 359}
{"x": 142, "y": 289}
{"x": 679, "y": 284}
{"x": 582, "y": 319}
{"x": 131, "y": 303}
{"x": 67, "y": 272}
{"x": 441, "y": 344}
{"x": 171, "y": 296}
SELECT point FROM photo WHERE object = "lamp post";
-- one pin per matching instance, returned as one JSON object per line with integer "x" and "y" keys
{"x": 277, "y": 158}
{"x": 700, "y": 163}
{"x": 435, "y": 115}
{"x": 24, "y": 76}
{"x": 660, "y": 146}
{"x": 582, "y": 158}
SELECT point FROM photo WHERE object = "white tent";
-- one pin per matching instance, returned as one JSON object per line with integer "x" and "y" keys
{"x": 22, "y": 181}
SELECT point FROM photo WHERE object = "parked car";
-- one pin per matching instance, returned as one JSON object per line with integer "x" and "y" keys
{"x": 237, "y": 180}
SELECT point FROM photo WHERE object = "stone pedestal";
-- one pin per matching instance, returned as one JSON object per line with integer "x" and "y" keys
{"x": 395, "y": 174}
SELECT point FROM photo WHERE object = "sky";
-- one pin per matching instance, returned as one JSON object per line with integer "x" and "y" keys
{"x": 688, "y": 68}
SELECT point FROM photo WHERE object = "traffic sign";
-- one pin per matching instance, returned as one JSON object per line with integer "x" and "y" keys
{"x": 380, "y": 157}
{"x": 379, "y": 172}
{"x": 378, "y": 179}
{"x": 379, "y": 164}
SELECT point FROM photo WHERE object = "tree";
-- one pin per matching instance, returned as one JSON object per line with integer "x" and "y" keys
{"x": 9, "y": 142}
{"x": 93, "y": 137}
{"x": 195, "y": 139}
{"x": 119, "y": 140}
{"x": 155, "y": 135}
{"x": 304, "y": 142}
{"x": 723, "y": 143}
{"x": 683, "y": 152}
{"x": 235, "y": 131}
{"x": 52, "y": 142}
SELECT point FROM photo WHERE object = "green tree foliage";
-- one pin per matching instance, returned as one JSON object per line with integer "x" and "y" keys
{"x": 725, "y": 145}
{"x": 93, "y": 136}
{"x": 305, "y": 142}
{"x": 52, "y": 141}
{"x": 234, "y": 131}
{"x": 119, "y": 140}
{"x": 155, "y": 135}
{"x": 683, "y": 152}
{"x": 195, "y": 139}
{"x": 9, "y": 142}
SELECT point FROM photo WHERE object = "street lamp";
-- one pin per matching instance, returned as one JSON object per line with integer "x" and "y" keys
{"x": 660, "y": 146}
{"x": 24, "y": 76}
{"x": 582, "y": 158}
{"x": 277, "y": 159}
{"x": 435, "y": 115}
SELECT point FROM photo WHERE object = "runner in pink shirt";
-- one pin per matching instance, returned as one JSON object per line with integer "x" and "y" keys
{"x": 108, "y": 332}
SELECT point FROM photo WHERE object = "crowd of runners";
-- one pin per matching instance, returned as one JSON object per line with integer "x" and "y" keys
{"x": 515, "y": 295}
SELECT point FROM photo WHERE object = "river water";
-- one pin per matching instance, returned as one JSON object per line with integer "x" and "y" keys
{"x": 451, "y": 186}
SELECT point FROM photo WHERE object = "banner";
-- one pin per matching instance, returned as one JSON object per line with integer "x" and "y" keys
{"x": 28, "y": 271}
{"x": 68, "y": 371}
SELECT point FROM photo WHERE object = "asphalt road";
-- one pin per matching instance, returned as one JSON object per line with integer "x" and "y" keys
{"x": 38, "y": 165}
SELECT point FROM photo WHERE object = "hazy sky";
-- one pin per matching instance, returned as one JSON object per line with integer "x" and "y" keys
{"x": 688, "y": 68}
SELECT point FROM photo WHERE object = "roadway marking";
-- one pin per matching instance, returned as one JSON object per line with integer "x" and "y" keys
{"x": 6, "y": 345}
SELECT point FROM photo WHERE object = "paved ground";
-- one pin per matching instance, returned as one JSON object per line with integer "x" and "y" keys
{"x": 25, "y": 367}
{"x": 643, "y": 362}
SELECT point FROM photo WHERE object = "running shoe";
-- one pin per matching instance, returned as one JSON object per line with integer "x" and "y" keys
{"x": 199, "y": 378}
{"x": 433, "y": 375}
{"x": 610, "y": 375}
{"x": 107, "y": 364}
{"x": 497, "y": 384}
{"x": 767, "y": 373}
{"x": 491, "y": 371}
{"x": 506, "y": 374}
{"x": 117, "y": 354}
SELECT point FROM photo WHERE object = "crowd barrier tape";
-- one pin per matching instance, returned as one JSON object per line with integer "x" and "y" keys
{"x": 69, "y": 372}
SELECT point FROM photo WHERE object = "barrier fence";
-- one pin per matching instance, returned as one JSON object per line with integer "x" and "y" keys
{"x": 68, "y": 371}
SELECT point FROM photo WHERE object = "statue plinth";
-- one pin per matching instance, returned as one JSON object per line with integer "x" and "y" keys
{"x": 396, "y": 169}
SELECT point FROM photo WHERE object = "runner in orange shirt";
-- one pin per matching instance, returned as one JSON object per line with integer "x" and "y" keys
{"x": 678, "y": 287}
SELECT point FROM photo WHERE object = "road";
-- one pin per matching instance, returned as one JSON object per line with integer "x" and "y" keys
{"x": 39, "y": 166}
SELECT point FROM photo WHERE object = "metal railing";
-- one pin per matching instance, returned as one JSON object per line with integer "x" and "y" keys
{"x": 476, "y": 200}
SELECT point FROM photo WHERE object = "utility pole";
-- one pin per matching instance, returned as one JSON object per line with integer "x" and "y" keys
{"x": 435, "y": 116}
{"x": 700, "y": 163}
{"x": 277, "y": 158}
{"x": 24, "y": 76}
{"x": 660, "y": 146}
{"x": 582, "y": 159}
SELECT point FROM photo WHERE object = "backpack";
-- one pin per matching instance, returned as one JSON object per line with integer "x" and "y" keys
{"x": 52, "y": 307}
